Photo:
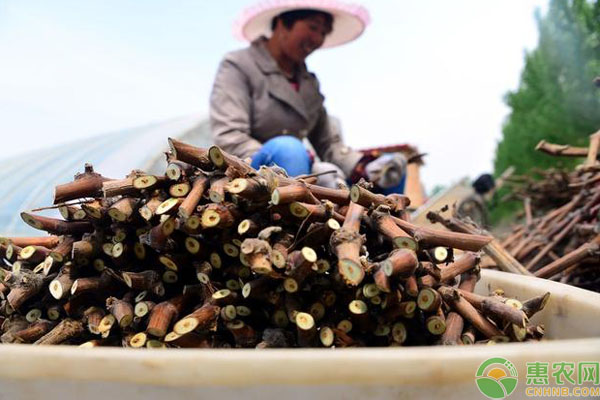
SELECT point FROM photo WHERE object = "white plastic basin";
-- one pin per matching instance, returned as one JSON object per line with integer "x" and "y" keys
{"x": 571, "y": 317}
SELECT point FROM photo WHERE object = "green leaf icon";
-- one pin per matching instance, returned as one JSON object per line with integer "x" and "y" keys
{"x": 509, "y": 384}
{"x": 491, "y": 388}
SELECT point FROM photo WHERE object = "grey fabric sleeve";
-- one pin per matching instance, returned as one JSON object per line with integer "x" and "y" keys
{"x": 328, "y": 144}
{"x": 230, "y": 108}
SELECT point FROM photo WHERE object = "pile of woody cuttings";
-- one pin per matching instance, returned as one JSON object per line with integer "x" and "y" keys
{"x": 214, "y": 254}
{"x": 560, "y": 236}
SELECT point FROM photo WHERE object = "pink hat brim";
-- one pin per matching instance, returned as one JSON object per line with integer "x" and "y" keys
{"x": 349, "y": 20}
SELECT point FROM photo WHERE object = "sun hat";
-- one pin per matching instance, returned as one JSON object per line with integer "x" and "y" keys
{"x": 349, "y": 20}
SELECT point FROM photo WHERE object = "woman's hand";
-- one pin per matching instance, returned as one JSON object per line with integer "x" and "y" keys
{"x": 387, "y": 170}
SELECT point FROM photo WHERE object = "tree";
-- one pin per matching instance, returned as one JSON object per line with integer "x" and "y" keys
{"x": 556, "y": 99}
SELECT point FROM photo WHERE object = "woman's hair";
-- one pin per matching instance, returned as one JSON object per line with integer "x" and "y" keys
{"x": 290, "y": 17}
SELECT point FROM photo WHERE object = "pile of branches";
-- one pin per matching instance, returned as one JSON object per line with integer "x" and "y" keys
{"x": 560, "y": 237}
{"x": 543, "y": 189}
{"x": 216, "y": 254}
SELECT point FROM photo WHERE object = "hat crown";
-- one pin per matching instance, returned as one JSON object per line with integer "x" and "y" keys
{"x": 349, "y": 19}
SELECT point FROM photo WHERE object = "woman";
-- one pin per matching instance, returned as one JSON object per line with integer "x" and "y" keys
{"x": 264, "y": 101}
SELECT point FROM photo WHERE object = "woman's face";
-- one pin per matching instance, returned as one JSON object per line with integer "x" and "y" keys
{"x": 305, "y": 36}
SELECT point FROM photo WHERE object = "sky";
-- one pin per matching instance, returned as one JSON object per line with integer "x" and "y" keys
{"x": 431, "y": 73}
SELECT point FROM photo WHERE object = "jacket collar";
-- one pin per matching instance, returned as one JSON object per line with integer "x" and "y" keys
{"x": 279, "y": 86}
{"x": 267, "y": 63}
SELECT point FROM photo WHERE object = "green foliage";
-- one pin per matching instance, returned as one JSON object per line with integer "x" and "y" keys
{"x": 501, "y": 209}
{"x": 556, "y": 99}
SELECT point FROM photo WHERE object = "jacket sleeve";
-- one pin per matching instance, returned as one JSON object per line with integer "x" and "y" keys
{"x": 328, "y": 144}
{"x": 230, "y": 108}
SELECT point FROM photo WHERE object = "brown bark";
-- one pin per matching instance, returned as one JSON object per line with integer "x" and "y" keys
{"x": 280, "y": 250}
{"x": 201, "y": 319}
{"x": 431, "y": 269}
{"x": 120, "y": 187}
{"x": 300, "y": 264}
{"x": 92, "y": 317}
{"x": 223, "y": 297}
{"x": 158, "y": 236}
{"x": 555, "y": 240}
{"x": 217, "y": 188}
{"x": 35, "y": 331}
{"x": 56, "y": 226}
{"x": 454, "y": 328}
{"x": 567, "y": 260}
{"x": 346, "y": 243}
{"x": 385, "y": 225}
{"x": 319, "y": 233}
{"x": 315, "y": 211}
{"x": 535, "y": 304}
{"x": 243, "y": 334}
{"x": 96, "y": 209}
{"x": 193, "y": 198}
{"x": 466, "y": 262}
{"x": 504, "y": 260}
{"x": 63, "y": 250}
{"x": 257, "y": 288}
{"x": 291, "y": 193}
{"x": 401, "y": 263}
{"x": 493, "y": 307}
{"x": 190, "y": 154}
{"x": 163, "y": 314}
{"x": 121, "y": 310}
{"x": 337, "y": 196}
{"x": 561, "y": 149}
{"x": 219, "y": 216}
{"x": 60, "y": 287}
{"x": 29, "y": 285}
{"x": 256, "y": 189}
{"x": 258, "y": 254}
{"x": 468, "y": 281}
{"x": 45, "y": 241}
{"x": 188, "y": 341}
{"x": 306, "y": 330}
{"x": 177, "y": 170}
{"x": 528, "y": 212}
{"x": 508, "y": 242}
{"x": 145, "y": 280}
{"x": 193, "y": 251}
{"x": 88, "y": 184}
{"x": 368, "y": 199}
{"x": 411, "y": 287}
{"x": 66, "y": 330}
{"x": 34, "y": 254}
{"x": 85, "y": 249}
{"x": 148, "y": 210}
{"x": 432, "y": 237}
{"x": 91, "y": 284}
{"x": 468, "y": 312}
{"x": 234, "y": 167}
{"x": 592, "y": 155}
